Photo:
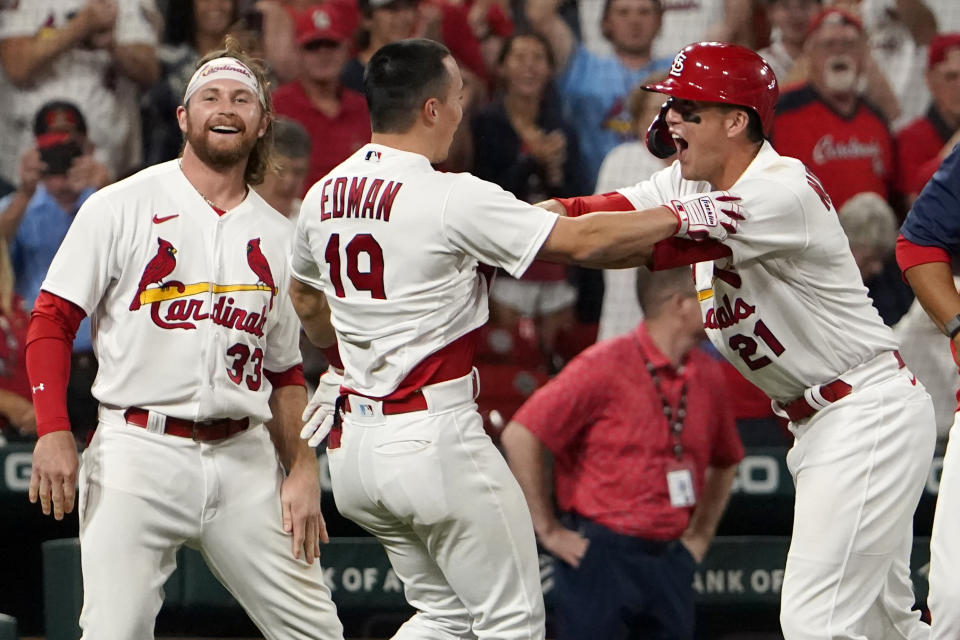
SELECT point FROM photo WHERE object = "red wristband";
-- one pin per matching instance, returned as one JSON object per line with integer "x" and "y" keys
{"x": 332, "y": 354}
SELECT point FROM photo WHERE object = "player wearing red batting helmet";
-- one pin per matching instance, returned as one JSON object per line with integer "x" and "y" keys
{"x": 714, "y": 72}
{"x": 783, "y": 301}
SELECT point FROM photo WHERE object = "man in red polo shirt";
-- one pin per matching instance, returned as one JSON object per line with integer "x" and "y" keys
{"x": 645, "y": 450}
{"x": 826, "y": 124}
{"x": 335, "y": 117}
{"x": 924, "y": 143}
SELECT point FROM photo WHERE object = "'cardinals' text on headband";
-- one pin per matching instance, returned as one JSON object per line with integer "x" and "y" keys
{"x": 223, "y": 69}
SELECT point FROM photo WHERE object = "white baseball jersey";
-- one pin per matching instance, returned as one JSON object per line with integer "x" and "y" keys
{"x": 87, "y": 77}
{"x": 788, "y": 309}
{"x": 189, "y": 308}
{"x": 394, "y": 245}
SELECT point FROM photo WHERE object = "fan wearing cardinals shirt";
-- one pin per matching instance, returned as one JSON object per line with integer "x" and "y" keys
{"x": 184, "y": 271}
{"x": 842, "y": 137}
{"x": 929, "y": 240}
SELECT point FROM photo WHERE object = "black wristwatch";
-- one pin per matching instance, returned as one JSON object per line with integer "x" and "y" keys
{"x": 952, "y": 326}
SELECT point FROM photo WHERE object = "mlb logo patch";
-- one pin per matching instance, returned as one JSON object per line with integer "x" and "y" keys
{"x": 372, "y": 156}
{"x": 366, "y": 410}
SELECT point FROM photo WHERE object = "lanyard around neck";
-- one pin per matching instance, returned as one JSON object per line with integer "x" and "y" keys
{"x": 674, "y": 419}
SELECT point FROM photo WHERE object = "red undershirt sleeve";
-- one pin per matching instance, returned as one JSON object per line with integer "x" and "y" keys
{"x": 680, "y": 252}
{"x": 910, "y": 254}
{"x": 332, "y": 354}
{"x": 53, "y": 326}
{"x": 581, "y": 205}
{"x": 292, "y": 377}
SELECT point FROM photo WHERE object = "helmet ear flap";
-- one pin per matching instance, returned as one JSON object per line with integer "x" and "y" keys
{"x": 658, "y": 138}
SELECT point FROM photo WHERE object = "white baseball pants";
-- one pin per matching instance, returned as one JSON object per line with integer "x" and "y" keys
{"x": 431, "y": 486}
{"x": 944, "y": 598}
{"x": 859, "y": 467}
{"x": 143, "y": 495}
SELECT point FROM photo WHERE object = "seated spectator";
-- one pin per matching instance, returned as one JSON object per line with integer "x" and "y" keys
{"x": 522, "y": 143}
{"x": 193, "y": 28}
{"x": 825, "y": 123}
{"x": 594, "y": 88}
{"x": 789, "y": 23}
{"x": 335, "y": 116}
{"x": 626, "y": 165}
{"x": 924, "y": 143}
{"x": 871, "y": 228}
{"x": 283, "y": 183}
{"x": 56, "y": 177}
{"x": 99, "y": 55}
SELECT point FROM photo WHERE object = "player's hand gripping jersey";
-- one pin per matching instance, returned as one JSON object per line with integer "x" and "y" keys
{"x": 371, "y": 232}
{"x": 788, "y": 308}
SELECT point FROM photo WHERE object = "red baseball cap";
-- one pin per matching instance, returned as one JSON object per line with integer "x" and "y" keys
{"x": 320, "y": 23}
{"x": 940, "y": 46}
{"x": 833, "y": 15}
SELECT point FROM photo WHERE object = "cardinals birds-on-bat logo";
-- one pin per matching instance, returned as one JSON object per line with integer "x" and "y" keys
{"x": 159, "y": 267}
{"x": 259, "y": 265}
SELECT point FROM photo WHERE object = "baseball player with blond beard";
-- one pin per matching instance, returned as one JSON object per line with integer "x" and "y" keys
{"x": 184, "y": 270}
{"x": 385, "y": 263}
{"x": 783, "y": 301}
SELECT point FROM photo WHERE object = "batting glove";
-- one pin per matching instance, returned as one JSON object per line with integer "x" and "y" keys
{"x": 319, "y": 414}
{"x": 713, "y": 215}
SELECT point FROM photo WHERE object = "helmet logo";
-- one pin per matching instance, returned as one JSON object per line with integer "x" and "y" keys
{"x": 677, "y": 68}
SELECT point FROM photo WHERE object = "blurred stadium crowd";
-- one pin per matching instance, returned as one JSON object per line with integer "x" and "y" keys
{"x": 870, "y": 101}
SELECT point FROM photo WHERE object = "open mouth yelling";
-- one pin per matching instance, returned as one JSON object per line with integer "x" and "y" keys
{"x": 680, "y": 143}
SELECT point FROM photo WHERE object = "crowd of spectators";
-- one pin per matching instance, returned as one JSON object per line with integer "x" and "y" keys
{"x": 870, "y": 101}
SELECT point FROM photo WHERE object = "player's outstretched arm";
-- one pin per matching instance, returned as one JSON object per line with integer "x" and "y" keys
{"x": 300, "y": 491}
{"x": 612, "y": 240}
{"x": 314, "y": 313}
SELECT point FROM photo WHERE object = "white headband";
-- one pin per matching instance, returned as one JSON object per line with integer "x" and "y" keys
{"x": 223, "y": 69}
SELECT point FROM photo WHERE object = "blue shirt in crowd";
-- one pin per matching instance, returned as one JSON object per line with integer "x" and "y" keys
{"x": 934, "y": 220}
{"x": 42, "y": 229}
{"x": 594, "y": 92}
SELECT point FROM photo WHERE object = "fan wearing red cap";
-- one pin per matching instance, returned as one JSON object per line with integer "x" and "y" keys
{"x": 783, "y": 301}
{"x": 924, "y": 143}
{"x": 61, "y": 162}
{"x": 826, "y": 123}
{"x": 335, "y": 117}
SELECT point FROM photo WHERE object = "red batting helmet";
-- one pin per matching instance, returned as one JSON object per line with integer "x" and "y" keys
{"x": 722, "y": 72}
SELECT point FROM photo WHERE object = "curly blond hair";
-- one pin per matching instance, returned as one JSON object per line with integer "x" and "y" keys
{"x": 261, "y": 157}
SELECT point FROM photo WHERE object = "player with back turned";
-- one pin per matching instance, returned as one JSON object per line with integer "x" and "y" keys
{"x": 385, "y": 262}
{"x": 783, "y": 301}
{"x": 184, "y": 269}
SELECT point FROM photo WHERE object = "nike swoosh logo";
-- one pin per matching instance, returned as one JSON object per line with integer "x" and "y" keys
{"x": 158, "y": 220}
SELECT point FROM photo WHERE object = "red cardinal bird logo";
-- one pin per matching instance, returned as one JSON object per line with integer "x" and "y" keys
{"x": 259, "y": 265}
{"x": 159, "y": 267}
